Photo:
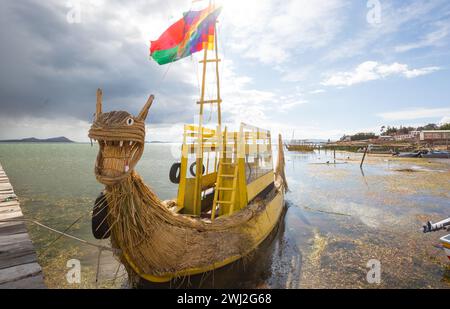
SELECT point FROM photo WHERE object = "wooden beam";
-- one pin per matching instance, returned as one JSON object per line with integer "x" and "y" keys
{"x": 209, "y": 101}
{"x": 211, "y": 60}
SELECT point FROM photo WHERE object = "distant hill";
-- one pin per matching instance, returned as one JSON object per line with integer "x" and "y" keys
{"x": 60, "y": 139}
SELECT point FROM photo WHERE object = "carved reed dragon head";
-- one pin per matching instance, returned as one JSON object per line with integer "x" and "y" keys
{"x": 121, "y": 139}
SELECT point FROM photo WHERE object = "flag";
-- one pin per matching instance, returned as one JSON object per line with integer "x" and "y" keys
{"x": 192, "y": 33}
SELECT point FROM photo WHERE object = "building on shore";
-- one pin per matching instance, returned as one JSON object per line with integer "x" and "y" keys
{"x": 435, "y": 136}
{"x": 386, "y": 138}
{"x": 410, "y": 136}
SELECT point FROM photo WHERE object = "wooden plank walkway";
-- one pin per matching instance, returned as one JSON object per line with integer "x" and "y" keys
{"x": 19, "y": 268}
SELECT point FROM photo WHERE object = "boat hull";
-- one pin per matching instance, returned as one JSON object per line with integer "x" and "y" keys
{"x": 247, "y": 272}
{"x": 436, "y": 155}
{"x": 407, "y": 155}
{"x": 261, "y": 227}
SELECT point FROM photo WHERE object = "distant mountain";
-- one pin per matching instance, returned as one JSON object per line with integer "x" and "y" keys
{"x": 60, "y": 139}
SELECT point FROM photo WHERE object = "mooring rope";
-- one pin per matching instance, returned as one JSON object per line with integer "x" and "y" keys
{"x": 100, "y": 247}
{"x": 65, "y": 231}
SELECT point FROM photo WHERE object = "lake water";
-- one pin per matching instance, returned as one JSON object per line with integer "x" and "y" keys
{"x": 337, "y": 218}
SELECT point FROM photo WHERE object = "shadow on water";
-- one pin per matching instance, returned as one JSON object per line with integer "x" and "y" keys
{"x": 276, "y": 255}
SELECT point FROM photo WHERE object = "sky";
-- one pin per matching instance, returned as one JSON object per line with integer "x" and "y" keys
{"x": 297, "y": 67}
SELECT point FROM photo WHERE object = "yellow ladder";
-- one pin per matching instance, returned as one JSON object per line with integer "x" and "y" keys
{"x": 221, "y": 188}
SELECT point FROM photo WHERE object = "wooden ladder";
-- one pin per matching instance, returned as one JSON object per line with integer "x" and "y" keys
{"x": 221, "y": 188}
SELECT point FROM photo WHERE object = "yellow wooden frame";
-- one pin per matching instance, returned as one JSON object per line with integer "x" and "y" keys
{"x": 255, "y": 187}
{"x": 231, "y": 146}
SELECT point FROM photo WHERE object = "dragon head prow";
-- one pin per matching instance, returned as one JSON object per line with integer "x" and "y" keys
{"x": 121, "y": 139}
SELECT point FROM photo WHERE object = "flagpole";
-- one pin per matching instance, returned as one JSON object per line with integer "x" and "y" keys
{"x": 199, "y": 152}
{"x": 219, "y": 100}
{"x": 199, "y": 159}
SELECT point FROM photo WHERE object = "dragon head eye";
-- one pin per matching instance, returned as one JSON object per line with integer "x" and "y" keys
{"x": 130, "y": 121}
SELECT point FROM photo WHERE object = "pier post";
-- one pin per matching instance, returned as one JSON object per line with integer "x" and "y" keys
{"x": 364, "y": 157}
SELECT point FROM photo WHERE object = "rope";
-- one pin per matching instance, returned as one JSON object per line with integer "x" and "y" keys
{"x": 164, "y": 76}
{"x": 65, "y": 231}
{"x": 195, "y": 63}
{"x": 100, "y": 247}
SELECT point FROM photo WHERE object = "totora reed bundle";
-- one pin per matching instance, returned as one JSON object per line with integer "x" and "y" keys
{"x": 150, "y": 237}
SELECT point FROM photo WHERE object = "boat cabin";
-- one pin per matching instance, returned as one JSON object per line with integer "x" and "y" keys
{"x": 221, "y": 172}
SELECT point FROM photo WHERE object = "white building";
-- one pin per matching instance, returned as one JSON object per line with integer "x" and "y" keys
{"x": 435, "y": 135}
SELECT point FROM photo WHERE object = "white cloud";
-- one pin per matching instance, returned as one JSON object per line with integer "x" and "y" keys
{"x": 271, "y": 33}
{"x": 434, "y": 38}
{"x": 241, "y": 99}
{"x": 294, "y": 76}
{"x": 419, "y": 72}
{"x": 372, "y": 70}
{"x": 317, "y": 91}
{"x": 417, "y": 113}
{"x": 395, "y": 19}
{"x": 288, "y": 102}
{"x": 445, "y": 120}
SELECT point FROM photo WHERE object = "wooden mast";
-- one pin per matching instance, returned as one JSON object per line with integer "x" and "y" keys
{"x": 201, "y": 102}
{"x": 219, "y": 100}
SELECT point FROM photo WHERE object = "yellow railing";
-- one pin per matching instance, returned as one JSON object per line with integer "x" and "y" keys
{"x": 237, "y": 162}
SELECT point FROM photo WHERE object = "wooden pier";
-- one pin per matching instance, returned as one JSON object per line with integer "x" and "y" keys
{"x": 18, "y": 261}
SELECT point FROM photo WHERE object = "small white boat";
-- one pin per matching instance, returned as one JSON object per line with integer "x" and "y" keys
{"x": 439, "y": 226}
{"x": 446, "y": 244}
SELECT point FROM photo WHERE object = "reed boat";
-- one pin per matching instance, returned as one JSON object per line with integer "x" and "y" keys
{"x": 299, "y": 145}
{"x": 230, "y": 197}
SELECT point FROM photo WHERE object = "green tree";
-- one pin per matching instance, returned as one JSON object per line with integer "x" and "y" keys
{"x": 445, "y": 126}
{"x": 362, "y": 136}
{"x": 430, "y": 126}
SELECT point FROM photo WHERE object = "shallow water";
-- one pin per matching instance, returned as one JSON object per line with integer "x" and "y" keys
{"x": 337, "y": 218}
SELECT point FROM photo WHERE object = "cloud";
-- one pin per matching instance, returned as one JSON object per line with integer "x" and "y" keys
{"x": 317, "y": 91}
{"x": 434, "y": 38}
{"x": 397, "y": 18}
{"x": 372, "y": 70}
{"x": 445, "y": 120}
{"x": 241, "y": 99}
{"x": 417, "y": 113}
{"x": 51, "y": 68}
{"x": 272, "y": 33}
{"x": 60, "y": 66}
{"x": 287, "y": 103}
